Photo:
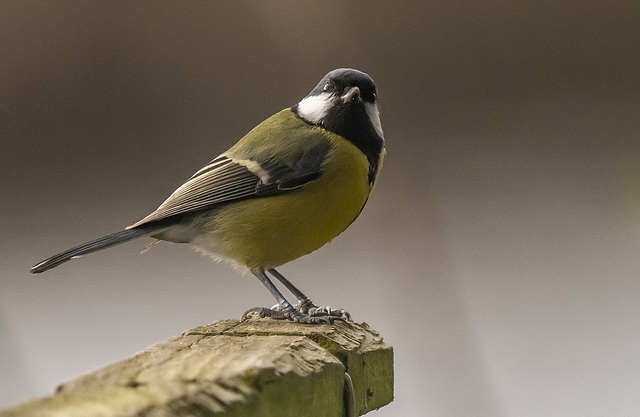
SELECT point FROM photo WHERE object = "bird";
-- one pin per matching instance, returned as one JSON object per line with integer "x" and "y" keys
{"x": 289, "y": 186}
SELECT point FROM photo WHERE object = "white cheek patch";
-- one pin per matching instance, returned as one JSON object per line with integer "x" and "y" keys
{"x": 374, "y": 116}
{"x": 315, "y": 108}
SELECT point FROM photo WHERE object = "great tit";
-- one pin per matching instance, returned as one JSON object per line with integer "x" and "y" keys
{"x": 292, "y": 184}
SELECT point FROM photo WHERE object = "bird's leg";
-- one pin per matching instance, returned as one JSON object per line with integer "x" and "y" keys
{"x": 306, "y": 306}
{"x": 284, "y": 310}
{"x": 304, "y": 302}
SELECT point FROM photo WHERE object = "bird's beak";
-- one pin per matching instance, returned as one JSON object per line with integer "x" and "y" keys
{"x": 351, "y": 95}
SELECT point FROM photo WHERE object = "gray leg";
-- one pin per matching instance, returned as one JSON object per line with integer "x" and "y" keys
{"x": 305, "y": 302}
{"x": 284, "y": 309}
{"x": 307, "y": 306}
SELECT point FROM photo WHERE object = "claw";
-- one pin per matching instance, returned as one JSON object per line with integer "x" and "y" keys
{"x": 258, "y": 310}
{"x": 336, "y": 313}
{"x": 279, "y": 312}
{"x": 307, "y": 307}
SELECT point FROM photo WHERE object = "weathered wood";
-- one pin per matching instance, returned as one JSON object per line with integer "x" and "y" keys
{"x": 256, "y": 367}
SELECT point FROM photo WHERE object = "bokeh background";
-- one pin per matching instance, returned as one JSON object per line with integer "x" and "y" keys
{"x": 499, "y": 253}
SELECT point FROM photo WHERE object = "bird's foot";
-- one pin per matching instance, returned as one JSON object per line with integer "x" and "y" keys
{"x": 307, "y": 307}
{"x": 303, "y": 314}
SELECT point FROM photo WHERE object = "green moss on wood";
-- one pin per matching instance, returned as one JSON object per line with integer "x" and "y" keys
{"x": 257, "y": 367}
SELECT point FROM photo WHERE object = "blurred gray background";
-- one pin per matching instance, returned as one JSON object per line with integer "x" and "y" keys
{"x": 499, "y": 253}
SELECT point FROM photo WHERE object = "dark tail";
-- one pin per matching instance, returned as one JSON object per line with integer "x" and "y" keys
{"x": 89, "y": 247}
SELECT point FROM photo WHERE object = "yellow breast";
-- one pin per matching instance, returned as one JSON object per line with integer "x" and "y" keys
{"x": 268, "y": 232}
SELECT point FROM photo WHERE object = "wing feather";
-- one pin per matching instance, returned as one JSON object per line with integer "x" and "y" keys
{"x": 220, "y": 180}
{"x": 225, "y": 179}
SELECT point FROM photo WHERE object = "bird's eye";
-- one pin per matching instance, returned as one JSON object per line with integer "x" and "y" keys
{"x": 375, "y": 97}
{"x": 326, "y": 87}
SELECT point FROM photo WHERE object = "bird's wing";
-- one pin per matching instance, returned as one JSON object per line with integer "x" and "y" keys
{"x": 227, "y": 178}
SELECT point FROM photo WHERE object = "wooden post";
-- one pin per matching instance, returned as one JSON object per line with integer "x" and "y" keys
{"x": 255, "y": 367}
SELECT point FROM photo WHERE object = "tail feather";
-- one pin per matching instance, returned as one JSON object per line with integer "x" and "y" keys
{"x": 89, "y": 247}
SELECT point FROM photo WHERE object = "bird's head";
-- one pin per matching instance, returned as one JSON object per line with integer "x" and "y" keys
{"x": 345, "y": 102}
